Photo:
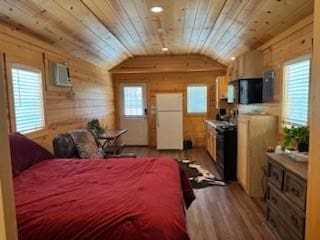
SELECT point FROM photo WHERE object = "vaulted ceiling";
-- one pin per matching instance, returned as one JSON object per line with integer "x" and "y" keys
{"x": 110, "y": 31}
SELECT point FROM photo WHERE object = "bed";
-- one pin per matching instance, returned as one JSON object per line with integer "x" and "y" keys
{"x": 142, "y": 198}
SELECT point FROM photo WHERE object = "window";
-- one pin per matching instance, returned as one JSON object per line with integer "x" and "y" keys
{"x": 133, "y": 101}
{"x": 197, "y": 99}
{"x": 28, "y": 99}
{"x": 296, "y": 92}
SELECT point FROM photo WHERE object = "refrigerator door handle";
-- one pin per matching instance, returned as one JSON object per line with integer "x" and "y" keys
{"x": 157, "y": 119}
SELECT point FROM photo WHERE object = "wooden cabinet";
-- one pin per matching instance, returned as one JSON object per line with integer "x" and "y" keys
{"x": 242, "y": 167}
{"x": 233, "y": 70}
{"x": 286, "y": 196}
{"x": 221, "y": 90}
{"x": 255, "y": 134}
{"x": 249, "y": 64}
{"x": 211, "y": 141}
{"x": 214, "y": 145}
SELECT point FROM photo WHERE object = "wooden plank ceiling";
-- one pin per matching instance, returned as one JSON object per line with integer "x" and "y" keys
{"x": 110, "y": 31}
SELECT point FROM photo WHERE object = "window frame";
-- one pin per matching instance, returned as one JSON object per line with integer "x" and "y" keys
{"x": 197, "y": 113}
{"x": 122, "y": 102}
{"x": 284, "y": 90}
{"x": 12, "y": 102}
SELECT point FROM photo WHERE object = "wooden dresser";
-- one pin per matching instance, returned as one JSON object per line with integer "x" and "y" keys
{"x": 286, "y": 196}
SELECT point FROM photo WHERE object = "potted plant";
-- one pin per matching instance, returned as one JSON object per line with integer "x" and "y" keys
{"x": 95, "y": 126}
{"x": 296, "y": 137}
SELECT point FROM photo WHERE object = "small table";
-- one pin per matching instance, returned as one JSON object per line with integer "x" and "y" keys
{"x": 111, "y": 137}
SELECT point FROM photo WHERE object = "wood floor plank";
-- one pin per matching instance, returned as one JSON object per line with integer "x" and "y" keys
{"x": 218, "y": 213}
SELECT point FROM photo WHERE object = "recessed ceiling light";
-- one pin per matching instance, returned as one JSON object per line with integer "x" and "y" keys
{"x": 165, "y": 49}
{"x": 233, "y": 58}
{"x": 156, "y": 9}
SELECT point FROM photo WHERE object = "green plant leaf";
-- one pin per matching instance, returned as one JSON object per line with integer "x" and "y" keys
{"x": 295, "y": 135}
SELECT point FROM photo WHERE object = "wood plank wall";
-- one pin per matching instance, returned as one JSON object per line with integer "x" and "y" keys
{"x": 8, "y": 223}
{"x": 293, "y": 43}
{"x": 194, "y": 126}
{"x": 313, "y": 197}
{"x": 92, "y": 86}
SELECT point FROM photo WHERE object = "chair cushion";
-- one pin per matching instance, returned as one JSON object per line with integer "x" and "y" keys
{"x": 86, "y": 144}
{"x": 25, "y": 153}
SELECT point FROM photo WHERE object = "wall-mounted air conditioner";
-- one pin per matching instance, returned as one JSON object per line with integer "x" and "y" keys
{"x": 59, "y": 74}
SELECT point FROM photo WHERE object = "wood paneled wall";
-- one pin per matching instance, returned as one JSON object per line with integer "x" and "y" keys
{"x": 313, "y": 197}
{"x": 194, "y": 126}
{"x": 293, "y": 43}
{"x": 92, "y": 86}
{"x": 8, "y": 223}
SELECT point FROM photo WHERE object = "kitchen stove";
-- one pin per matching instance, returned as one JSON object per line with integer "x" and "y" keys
{"x": 226, "y": 145}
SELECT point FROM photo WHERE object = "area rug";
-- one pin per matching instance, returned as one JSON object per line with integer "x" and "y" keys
{"x": 198, "y": 176}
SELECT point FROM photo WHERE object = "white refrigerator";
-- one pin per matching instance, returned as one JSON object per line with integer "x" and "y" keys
{"x": 169, "y": 122}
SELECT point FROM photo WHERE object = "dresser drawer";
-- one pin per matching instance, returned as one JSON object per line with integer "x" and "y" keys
{"x": 292, "y": 218}
{"x": 275, "y": 174}
{"x": 295, "y": 189}
{"x": 277, "y": 225}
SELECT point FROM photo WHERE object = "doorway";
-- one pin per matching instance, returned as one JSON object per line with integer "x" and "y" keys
{"x": 133, "y": 113}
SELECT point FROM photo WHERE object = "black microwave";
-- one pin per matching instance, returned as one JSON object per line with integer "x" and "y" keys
{"x": 250, "y": 90}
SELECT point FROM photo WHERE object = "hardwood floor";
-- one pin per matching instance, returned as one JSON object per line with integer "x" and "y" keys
{"x": 218, "y": 213}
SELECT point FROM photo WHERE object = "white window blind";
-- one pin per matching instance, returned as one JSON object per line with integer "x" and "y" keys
{"x": 133, "y": 101}
{"x": 197, "y": 99}
{"x": 28, "y": 99}
{"x": 296, "y": 92}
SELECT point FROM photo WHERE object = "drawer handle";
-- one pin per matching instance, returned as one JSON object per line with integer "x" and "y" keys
{"x": 273, "y": 223}
{"x": 295, "y": 191}
{"x": 274, "y": 200}
{"x": 275, "y": 175}
{"x": 294, "y": 220}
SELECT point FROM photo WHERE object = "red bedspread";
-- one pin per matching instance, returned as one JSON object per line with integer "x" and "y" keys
{"x": 111, "y": 199}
